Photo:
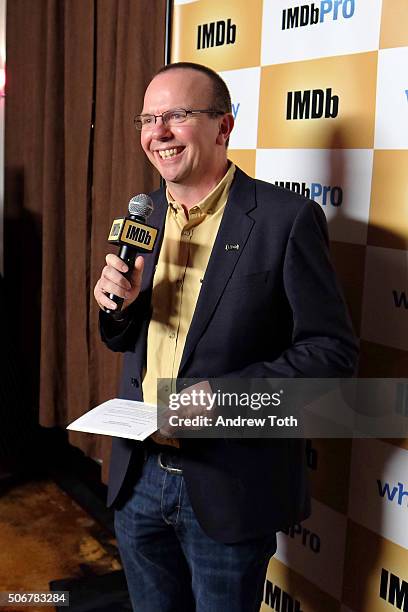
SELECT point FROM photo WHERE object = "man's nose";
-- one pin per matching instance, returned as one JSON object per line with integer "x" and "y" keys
{"x": 160, "y": 129}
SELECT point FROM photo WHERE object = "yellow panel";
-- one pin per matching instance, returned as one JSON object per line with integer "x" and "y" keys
{"x": 388, "y": 224}
{"x": 350, "y": 77}
{"x": 244, "y": 159}
{"x": 379, "y": 361}
{"x": 327, "y": 458}
{"x": 296, "y": 588}
{"x": 367, "y": 553}
{"x": 236, "y": 24}
{"x": 394, "y": 24}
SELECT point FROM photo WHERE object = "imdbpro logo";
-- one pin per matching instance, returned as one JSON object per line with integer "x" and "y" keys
{"x": 305, "y": 536}
{"x": 323, "y": 194}
{"x": 311, "y": 14}
{"x": 395, "y": 494}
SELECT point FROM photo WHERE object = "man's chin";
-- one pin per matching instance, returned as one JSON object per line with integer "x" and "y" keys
{"x": 169, "y": 176}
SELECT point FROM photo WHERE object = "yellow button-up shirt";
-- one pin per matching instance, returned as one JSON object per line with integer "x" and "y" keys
{"x": 187, "y": 244}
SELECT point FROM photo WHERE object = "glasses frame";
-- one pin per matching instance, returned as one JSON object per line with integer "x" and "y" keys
{"x": 211, "y": 111}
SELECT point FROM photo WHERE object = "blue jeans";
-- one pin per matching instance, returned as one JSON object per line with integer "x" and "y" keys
{"x": 171, "y": 565}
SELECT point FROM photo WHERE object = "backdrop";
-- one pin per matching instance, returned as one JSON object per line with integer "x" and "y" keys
{"x": 320, "y": 98}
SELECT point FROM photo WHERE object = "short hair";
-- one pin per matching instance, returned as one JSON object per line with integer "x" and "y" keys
{"x": 221, "y": 95}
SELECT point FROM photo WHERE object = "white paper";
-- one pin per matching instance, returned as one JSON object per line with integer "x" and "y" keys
{"x": 120, "y": 418}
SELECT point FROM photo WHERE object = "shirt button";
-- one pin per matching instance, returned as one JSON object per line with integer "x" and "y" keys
{"x": 179, "y": 283}
{"x": 172, "y": 335}
{"x": 186, "y": 233}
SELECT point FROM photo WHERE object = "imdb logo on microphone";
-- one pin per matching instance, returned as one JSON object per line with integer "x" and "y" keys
{"x": 327, "y": 102}
{"x": 132, "y": 233}
{"x": 217, "y": 34}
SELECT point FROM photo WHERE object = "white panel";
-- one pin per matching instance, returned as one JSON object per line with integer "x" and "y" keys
{"x": 179, "y": 2}
{"x": 385, "y": 300}
{"x": 244, "y": 89}
{"x": 353, "y": 27}
{"x": 323, "y": 564}
{"x": 322, "y": 170}
{"x": 379, "y": 479}
{"x": 391, "y": 126}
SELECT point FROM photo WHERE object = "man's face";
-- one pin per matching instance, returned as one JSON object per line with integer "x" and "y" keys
{"x": 195, "y": 147}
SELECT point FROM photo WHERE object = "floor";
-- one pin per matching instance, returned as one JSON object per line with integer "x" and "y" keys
{"x": 56, "y": 529}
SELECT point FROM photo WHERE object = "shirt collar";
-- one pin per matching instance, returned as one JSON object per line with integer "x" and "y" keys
{"x": 212, "y": 200}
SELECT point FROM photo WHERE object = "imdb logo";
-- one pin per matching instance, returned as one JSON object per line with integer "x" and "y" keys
{"x": 394, "y": 590}
{"x": 385, "y": 578}
{"x": 217, "y": 34}
{"x": 329, "y": 96}
{"x": 312, "y": 104}
{"x": 285, "y": 590}
{"x": 279, "y": 600}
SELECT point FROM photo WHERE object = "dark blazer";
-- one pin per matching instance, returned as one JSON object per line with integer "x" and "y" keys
{"x": 271, "y": 308}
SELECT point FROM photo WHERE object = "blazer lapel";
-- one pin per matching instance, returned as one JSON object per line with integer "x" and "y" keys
{"x": 157, "y": 220}
{"x": 235, "y": 228}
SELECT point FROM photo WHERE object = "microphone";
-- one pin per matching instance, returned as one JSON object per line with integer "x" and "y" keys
{"x": 133, "y": 236}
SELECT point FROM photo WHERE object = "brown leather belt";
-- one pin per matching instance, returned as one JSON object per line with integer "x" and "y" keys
{"x": 163, "y": 441}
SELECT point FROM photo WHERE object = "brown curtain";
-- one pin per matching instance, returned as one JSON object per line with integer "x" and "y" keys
{"x": 76, "y": 73}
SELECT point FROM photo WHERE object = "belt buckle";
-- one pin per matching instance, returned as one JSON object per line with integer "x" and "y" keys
{"x": 172, "y": 470}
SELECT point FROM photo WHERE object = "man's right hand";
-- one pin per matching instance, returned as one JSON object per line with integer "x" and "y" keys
{"x": 112, "y": 280}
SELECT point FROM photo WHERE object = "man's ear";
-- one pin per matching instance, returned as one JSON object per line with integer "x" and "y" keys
{"x": 225, "y": 128}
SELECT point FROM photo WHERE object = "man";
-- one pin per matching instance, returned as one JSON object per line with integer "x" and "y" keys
{"x": 196, "y": 519}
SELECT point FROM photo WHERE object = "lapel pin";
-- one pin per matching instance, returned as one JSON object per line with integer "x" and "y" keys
{"x": 232, "y": 247}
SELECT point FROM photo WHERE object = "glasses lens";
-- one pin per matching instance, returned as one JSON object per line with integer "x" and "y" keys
{"x": 144, "y": 121}
{"x": 172, "y": 117}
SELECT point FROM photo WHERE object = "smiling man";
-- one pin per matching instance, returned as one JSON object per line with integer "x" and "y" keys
{"x": 189, "y": 150}
{"x": 196, "y": 519}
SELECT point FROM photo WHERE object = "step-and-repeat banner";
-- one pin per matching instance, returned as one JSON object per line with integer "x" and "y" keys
{"x": 320, "y": 100}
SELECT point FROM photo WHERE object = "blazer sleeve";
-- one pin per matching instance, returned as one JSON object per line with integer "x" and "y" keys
{"x": 121, "y": 336}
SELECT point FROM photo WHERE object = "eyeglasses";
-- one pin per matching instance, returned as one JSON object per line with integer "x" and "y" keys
{"x": 170, "y": 117}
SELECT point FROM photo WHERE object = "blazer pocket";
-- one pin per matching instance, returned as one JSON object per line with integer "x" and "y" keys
{"x": 248, "y": 281}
